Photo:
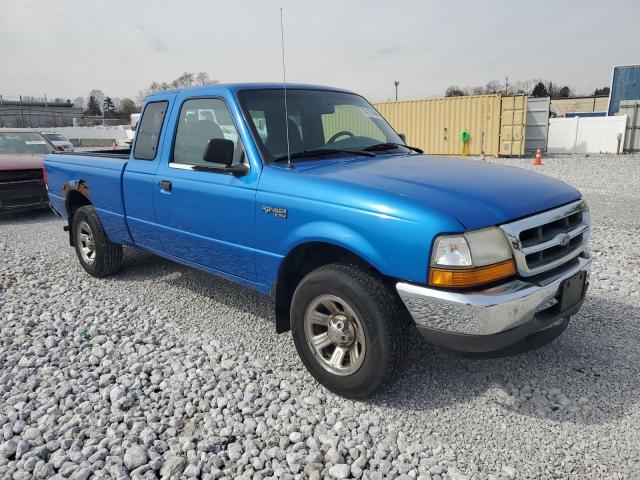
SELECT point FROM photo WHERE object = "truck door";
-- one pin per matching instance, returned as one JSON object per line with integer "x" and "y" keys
{"x": 205, "y": 216}
{"x": 139, "y": 176}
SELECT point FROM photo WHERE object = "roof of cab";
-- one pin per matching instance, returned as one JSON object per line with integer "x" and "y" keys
{"x": 216, "y": 88}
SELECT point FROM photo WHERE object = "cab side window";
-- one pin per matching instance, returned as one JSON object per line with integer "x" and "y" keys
{"x": 148, "y": 134}
{"x": 202, "y": 120}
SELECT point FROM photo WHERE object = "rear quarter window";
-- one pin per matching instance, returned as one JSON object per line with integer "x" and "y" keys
{"x": 149, "y": 129}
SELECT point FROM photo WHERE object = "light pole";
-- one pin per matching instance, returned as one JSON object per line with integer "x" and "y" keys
{"x": 396, "y": 83}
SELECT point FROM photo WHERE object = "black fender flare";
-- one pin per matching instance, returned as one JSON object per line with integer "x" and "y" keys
{"x": 72, "y": 191}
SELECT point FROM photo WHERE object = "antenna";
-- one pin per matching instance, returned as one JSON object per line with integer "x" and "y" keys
{"x": 284, "y": 83}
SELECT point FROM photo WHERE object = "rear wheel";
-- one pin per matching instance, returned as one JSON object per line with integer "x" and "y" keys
{"x": 97, "y": 254}
{"x": 349, "y": 330}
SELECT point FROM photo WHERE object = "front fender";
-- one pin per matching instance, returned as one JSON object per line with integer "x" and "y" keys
{"x": 339, "y": 235}
{"x": 391, "y": 232}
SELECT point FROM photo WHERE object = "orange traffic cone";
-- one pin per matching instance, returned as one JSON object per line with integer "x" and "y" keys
{"x": 114, "y": 145}
{"x": 538, "y": 160}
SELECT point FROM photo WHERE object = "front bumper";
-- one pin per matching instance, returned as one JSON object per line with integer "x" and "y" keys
{"x": 491, "y": 319}
{"x": 23, "y": 194}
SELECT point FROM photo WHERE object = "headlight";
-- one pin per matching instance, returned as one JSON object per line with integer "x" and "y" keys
{"x": 470, "y": 259}
{"x": 452, "y": 251}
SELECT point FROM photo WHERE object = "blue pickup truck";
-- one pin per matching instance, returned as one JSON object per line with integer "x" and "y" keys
{"x": 359, "y": 238}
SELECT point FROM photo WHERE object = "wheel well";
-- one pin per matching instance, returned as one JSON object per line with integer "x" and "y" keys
{"x": 75, "y": 200}
{"x": 297, "y": 264}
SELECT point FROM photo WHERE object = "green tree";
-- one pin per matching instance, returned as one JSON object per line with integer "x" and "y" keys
{"x": 539, "y": 90}
{"x": 108, "y": 107}
{"x": 93, "y": 107}
{"x": 128, "y": 106}
{"x": 604, "y": 91}
{"x": 565, "y": 92}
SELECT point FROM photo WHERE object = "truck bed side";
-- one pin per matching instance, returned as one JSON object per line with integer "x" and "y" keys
{"x": 98, "y": 178}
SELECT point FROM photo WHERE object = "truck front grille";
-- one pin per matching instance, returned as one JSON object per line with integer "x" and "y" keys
{"x": 550, "y": 239}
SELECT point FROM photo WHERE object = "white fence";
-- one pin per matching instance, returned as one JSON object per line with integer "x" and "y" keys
{"x": 586, "y": 134}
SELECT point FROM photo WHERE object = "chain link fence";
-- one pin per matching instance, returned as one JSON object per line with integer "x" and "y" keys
{"x": 39, "y": 112}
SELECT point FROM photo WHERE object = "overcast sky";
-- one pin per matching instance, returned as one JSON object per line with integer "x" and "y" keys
{"x": 65, "y": 48}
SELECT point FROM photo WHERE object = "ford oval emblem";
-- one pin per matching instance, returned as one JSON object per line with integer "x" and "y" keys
{"x": 566, "y": 238}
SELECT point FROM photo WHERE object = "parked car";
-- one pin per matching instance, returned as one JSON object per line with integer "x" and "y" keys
{"x": 358, "y": 237}
{"x": 59, "y": 141}
{"x": 22, "y": 184}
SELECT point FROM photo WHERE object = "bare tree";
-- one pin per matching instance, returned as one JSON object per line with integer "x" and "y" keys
{"x": 185, "y": 80}
{"x": 494, "y": 86}
{"x": 98, "y": 95}
{"x": 454, "y": 91}
{"x": 202, "y": 79}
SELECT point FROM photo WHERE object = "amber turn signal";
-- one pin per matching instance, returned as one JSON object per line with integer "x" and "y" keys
{"x": 471, "y": 277}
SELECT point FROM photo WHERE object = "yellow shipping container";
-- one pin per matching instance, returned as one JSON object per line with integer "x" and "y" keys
{"x": 512, "y": 125}
{"x": 435, "y": 124}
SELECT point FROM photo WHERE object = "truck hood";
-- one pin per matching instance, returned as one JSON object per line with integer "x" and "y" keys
{"x": 16, "y": 161}
{"x": 476, "y": 193}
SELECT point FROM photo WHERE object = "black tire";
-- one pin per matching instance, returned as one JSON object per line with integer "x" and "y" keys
{"x": 385, "y": 324}
{"x": 107, "y": 257}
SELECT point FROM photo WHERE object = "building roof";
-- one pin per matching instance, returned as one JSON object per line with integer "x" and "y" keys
{"x": 17, "y": 130}
{"x": 37, "y": 104}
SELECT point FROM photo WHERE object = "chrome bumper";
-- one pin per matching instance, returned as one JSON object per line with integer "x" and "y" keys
{"x": 491, "y": 311}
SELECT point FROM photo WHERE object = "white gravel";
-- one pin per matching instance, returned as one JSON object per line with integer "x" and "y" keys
{"x": 164, "y": 371}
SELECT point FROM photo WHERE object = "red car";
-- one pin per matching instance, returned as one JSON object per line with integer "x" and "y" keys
{"x": 22, "y": 183}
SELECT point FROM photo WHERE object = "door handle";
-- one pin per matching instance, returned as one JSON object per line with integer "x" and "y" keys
{"x": 165, "y": 185}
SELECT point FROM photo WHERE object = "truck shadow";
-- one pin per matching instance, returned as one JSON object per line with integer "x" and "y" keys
{"x": 27, "y": 217}
{"x": 586, "y": 376}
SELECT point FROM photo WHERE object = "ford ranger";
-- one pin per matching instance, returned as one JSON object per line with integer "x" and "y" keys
{"x": 359, "y": 238}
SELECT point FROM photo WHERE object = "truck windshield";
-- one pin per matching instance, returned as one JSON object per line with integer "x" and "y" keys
{"x": 19, "y": 142}
{"x": 331, "y": 123}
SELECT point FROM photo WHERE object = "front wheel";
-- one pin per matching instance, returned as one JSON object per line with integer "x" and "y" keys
{"x": 349, "y": 330}
{"x": 97, "y": 254}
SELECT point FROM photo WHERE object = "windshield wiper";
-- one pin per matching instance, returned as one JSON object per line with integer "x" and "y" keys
{"x": 317, "y": 152}
{"x": 391, "y": 146}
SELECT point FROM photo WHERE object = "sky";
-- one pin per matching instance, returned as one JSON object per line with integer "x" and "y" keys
{"x": 65, "y": 48}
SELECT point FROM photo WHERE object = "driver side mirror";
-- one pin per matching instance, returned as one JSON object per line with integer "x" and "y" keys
{"x": 219, "y": 150}
{"x": 403, "y": 137}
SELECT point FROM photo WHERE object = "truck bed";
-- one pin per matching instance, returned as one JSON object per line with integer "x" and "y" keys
{"x": 98, "y": 176}
{"x": 123, "y": 153}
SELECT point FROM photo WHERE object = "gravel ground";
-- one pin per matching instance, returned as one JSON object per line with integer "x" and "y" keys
{"x": 164, "y": 371}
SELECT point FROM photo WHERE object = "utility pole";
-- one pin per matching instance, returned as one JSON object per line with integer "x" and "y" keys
{"x": 46, "y": 109}
{"x": 21, "y": 112}
{"x": 396, "y": 83}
